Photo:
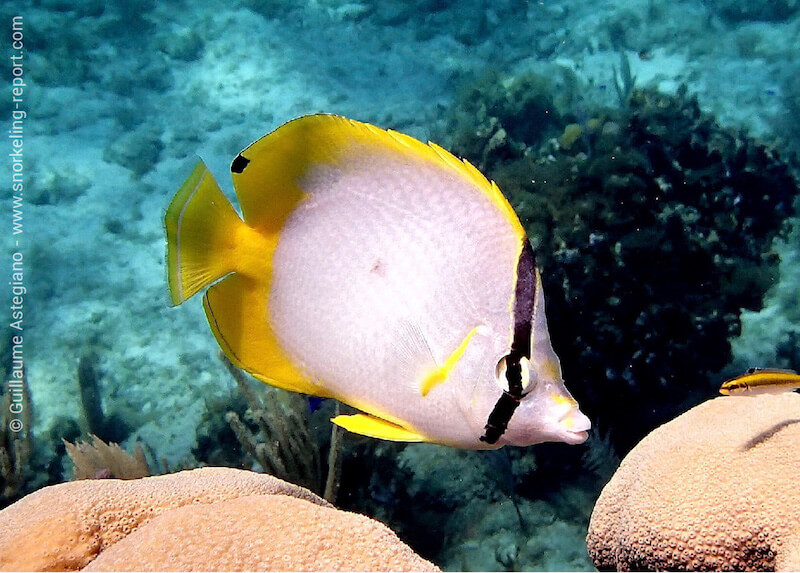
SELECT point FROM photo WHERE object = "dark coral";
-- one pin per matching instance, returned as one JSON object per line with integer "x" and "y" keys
{"x": 109, "y": 427}
{"x": 28, "y": 460}
{"x": 653, "y": 230}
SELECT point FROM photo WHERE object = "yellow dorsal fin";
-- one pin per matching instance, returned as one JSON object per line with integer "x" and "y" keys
{"x": 375, "y": 427}
{"x": 441, "y": 373}
{"x": 488, "y": 188}
{"x": 267, "y": 174}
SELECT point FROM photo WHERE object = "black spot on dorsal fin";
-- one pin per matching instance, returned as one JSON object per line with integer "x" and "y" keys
{"x": 238, "y": 164}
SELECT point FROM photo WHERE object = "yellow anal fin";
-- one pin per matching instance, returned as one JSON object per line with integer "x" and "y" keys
{"x": 375, "y": 427}
{"x": 236, "y": 308}
{"x": 201, "y": 227}
{"x": 441, "y": 373}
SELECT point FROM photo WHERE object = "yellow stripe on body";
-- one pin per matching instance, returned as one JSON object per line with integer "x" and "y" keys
{"x": 441, "y": 373}
{"x": 562, "y": 400}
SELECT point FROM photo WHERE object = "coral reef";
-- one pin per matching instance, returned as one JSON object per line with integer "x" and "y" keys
{"x": 50, "y": 186}
{"x": 497, "y": 118}
{"x": 27, "y": 461}
{"x": 260, "y": 533}
{"x": 283, "y": 444}
{"x": 111, "y": 427}
{"x": 16, "y": 441}
{"x": 272, "y": 430}
{"x": 204, "y": 519}
{"x": 788, "y": 123}
{"x": 788, "y": 349}
{"x": 334, "y": 477}
{"x": 715, "y": 489}
{"x": 216, "y": 444}
{"x": 490, "y": 511}
{"x": 97, "y": 459}
{"x": 63, "y": 59}
{"x": 624, "y": 80}
{"x": 653, "y": 231}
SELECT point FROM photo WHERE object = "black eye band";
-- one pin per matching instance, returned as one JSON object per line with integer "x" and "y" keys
{"x": 514, "y": 374}
{"x": 524, "y": 300}
{"x": 499, "y": 418}
{"x": 524, "y": 297}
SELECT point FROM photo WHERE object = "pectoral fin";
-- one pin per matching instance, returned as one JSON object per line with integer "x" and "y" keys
{"x": 441, "y": 373}
{"x": 375, "y": 427}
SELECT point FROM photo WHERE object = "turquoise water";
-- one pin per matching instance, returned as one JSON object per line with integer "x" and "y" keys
{"x": 648, "y": 149}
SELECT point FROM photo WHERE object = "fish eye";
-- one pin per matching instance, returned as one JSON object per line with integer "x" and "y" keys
{"x": 500, "y": 373}
{"x": 522, "y": 370}
{"x": 525, "y": 365}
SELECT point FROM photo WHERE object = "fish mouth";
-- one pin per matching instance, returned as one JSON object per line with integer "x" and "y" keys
{"x": 575, "y": 427}
{"x": 575, "y": 437}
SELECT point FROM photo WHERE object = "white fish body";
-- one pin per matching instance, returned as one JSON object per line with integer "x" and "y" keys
{"x": 398, "y": 282}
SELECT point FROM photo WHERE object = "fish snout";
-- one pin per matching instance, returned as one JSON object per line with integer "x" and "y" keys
{"x": 548, "y": 414}
{"x": 566, "y": 421}
{"x": 575, "y": 425}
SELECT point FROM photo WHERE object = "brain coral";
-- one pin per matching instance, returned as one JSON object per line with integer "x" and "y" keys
{"x": 206, "y": 519}
{"x": 260, "y": 533}
{"x": 714, "y": 489}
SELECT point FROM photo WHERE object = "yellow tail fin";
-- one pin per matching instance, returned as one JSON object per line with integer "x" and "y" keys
{"x": 201, "y": 228}
{"x": 206, "y": 240}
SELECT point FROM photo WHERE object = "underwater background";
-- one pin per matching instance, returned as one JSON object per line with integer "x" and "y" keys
{"x": 650, "y": 150}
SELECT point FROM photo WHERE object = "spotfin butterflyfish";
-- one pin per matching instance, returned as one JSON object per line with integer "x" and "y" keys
{"x": 383, "y": 272}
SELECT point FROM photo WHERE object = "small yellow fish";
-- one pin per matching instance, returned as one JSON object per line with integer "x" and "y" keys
{"x": 761, "y": 381}
{"x": 372, "y": 268}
